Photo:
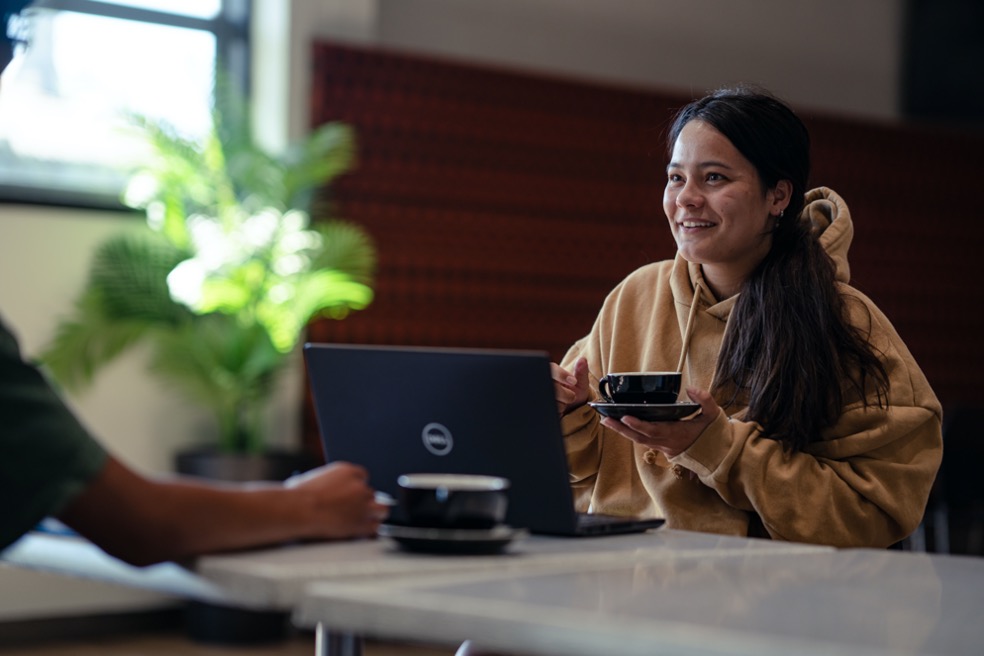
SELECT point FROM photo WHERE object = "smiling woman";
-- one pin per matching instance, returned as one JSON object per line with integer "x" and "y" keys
{"x": 64, "y": 133}
{"x": 816, "y": 423}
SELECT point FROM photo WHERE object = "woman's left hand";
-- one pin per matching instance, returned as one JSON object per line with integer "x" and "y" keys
{"x": 670, "y": 437}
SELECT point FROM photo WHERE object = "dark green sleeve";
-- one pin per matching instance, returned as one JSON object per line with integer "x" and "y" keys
{"x": 46, "y": 456}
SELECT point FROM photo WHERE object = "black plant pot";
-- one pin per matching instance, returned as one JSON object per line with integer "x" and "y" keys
{"x": 227, "y": 625}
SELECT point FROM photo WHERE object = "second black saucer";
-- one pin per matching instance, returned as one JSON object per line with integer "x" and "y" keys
{"x": 647, "y": 411}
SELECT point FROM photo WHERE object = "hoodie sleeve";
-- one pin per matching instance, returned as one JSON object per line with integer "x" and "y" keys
{"x": 866, "y": 483}
{"x": 636, "y": 327}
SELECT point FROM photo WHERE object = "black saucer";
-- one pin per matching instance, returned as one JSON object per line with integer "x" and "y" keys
{"x": 647, "y": 411}
{"x": 452, "y": 540}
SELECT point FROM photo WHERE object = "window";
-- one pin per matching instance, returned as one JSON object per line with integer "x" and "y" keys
{"x": 88, "y": 66}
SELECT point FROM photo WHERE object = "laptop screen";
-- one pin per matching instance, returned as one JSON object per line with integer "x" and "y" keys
{"x": 398, "y": 410}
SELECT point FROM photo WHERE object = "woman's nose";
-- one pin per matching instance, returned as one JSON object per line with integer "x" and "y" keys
{"x": 689, "y": 195}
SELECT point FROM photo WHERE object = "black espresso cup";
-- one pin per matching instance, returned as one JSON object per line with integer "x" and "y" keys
{"x": 453, "y": 501}
{"x": 640, "y": 387}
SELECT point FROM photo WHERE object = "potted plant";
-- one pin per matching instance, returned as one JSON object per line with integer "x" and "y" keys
{"x": 228, "y": 271}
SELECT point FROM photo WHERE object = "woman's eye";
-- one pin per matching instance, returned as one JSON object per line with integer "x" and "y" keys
{"x": 715, "y": 177}
{"x": 674, "y": 177}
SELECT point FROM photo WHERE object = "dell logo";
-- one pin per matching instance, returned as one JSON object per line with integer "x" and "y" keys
{"x": 437, "y": 438}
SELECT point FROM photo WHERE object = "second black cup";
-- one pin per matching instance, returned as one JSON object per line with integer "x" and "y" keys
{"x": 640, "y": 387}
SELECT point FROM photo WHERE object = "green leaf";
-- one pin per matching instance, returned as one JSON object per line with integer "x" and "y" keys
{"x": 347, "y": 248}
{"x": 125, "y": 299}
{"x": 225, "y": 295}
{"x": 89, "y": 340}
{"x": 327, "y": 153}
{"x": 129, "y": 274}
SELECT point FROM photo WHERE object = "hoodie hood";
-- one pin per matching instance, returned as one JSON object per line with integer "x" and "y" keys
{"x": 830, "y": 221}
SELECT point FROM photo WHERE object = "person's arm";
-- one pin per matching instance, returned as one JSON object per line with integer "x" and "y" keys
{"x": 144, "y": 521}
{"x": 864, "y": 488}
{"x": 866, "y": 483}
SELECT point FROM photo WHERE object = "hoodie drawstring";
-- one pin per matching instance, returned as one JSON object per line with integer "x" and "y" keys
{"x": 651, "y": 456}
{"x": 689, "y": 330}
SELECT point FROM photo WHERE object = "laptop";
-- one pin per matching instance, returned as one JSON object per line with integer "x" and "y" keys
{"x": 398, "y": 410}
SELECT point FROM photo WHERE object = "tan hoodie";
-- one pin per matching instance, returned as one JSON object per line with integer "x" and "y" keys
{"x": 864, "y": 483}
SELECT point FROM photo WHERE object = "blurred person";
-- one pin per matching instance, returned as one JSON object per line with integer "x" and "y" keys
{"x": 50, "y": 466}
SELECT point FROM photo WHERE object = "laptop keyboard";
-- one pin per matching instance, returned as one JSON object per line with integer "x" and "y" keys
{"x": 594, "y": 519}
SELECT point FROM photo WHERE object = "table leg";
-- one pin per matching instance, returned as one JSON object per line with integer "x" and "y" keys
{"x": 333, "y": 643}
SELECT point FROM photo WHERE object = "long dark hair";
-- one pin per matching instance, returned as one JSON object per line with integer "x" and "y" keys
{"x": 789, "y": 347}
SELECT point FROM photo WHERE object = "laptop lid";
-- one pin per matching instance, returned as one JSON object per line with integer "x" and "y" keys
{"x": 397, "y": 410}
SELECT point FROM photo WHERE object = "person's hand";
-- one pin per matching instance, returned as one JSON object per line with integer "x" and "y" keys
{"x": 570, "y": 387}
{"x": 670, "y": 437}
{"x": 340, "y": 501}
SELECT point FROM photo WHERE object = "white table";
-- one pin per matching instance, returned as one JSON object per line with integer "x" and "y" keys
{"x": 277, "y": 579}
{"x": 761, "y": 602}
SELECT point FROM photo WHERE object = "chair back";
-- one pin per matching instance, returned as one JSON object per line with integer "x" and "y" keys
{"x": 961, "y": 484}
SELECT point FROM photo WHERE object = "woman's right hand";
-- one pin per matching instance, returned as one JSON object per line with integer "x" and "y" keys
{"x": 570, "y": 387}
